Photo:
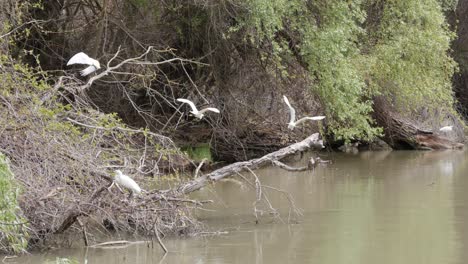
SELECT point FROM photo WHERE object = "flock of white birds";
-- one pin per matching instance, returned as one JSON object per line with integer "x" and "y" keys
{"x": 127, "y": 182}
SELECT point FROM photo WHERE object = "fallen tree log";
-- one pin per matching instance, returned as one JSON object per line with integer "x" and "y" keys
{"x": 311, "y": 142}
{"x": 401, "y": 133}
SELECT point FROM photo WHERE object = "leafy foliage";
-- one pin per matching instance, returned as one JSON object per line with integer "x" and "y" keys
{"x": 353, "y": 52}
{"x": 14, "y": 236}
{"x": 409, "y": 62}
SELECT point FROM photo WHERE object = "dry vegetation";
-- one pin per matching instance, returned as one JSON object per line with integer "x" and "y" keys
{"x": 64, "y": 156}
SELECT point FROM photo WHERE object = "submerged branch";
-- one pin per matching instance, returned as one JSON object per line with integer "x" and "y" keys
{"x": 287, "y": 167}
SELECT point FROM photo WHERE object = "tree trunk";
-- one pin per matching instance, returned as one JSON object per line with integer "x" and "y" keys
{"x": 401, "y": 133}
{"x": 6, "y": 16}
{"x": 459, "y": 22}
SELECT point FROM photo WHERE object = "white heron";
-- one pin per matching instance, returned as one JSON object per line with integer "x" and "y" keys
{"x": 446, "y": 128}
{"x": 292, "y": 112}
{"x": 127, "y": 182}
{"x": 195, "y": 111}
{"x": 82, "y": 58}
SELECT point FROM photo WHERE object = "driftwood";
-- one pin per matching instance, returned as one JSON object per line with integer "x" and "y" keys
{"x": 311, "y": 142}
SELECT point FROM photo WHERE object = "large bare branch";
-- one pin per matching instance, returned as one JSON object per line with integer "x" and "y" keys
{"x": 134, "y": 60}
{"x": 311, "y": 142}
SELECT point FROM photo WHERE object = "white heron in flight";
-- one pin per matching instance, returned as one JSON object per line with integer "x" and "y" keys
{"x": 446, "y": 128}
{"x": 292, "y": 112}
{"x": 127, "y": 182}
{"x": 195, "y": 111}
{"x": 82, "y": 58}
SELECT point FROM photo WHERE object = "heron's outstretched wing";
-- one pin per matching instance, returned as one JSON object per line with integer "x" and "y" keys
{"x": 209, "y": 109}
{"x": 80, "y": 58}
{"x": 192, "y": 105}
{"x": 309, "y": 118}
{"x": 88, "y": 70}
{"x": 446, "y": 128}
{"x": 292, "y": 112}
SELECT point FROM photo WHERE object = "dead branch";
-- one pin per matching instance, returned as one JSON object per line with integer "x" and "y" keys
{"x": 261, "y": 196}
{"x": 313, "y": 162}
{"x": 134, "y": 60}
{"x": 199, "y": 167}
{"x": 112, "y": 244}
{"x": 161, "y": 137}
{"x": 83, "y": 230}
{"x": 22, "y": 25}
{"x": 287, "y": 167}
{"x": 311, "y": 142}
{"x": 258, "y": 197}
{"x": 156, "y": 232}
{"x": 293, "y": 209}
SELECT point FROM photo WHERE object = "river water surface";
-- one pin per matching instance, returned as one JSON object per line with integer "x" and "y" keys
{"x": 371, "y": 207}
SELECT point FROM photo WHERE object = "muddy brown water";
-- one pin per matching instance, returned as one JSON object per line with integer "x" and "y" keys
{"x": 372, "y": 207}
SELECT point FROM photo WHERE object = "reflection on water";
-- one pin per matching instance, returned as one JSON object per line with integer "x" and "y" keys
{"x": 373, "y": 207}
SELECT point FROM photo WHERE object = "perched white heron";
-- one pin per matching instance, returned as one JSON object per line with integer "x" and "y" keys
{"x": 127, "y": 182}
{"x": 292, "y": 112}
{"x": 82, "y": 58}
{"x": 195, "y": 111}
{"x": 446, "y": 128}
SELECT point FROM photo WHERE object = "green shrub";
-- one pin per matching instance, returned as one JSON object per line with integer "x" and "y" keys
{"x": 409, "y": 62}
{"x": 14, "y": 235}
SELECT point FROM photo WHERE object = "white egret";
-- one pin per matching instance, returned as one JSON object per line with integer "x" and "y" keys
{"x": 82, "y": 58}
{"x": 446, "y": 128}
{"x": 127, "y": 182}
{"x": 292, "y": 123}
{"x": 195, "y": 111}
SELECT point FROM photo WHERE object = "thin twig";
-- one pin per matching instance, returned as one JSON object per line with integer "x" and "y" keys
{"x": 120, "y": 128}
{"x": 83, "y": 230}
{"x": 156, "y": 232}
{"x": 22, "y": 223}
{"x": 134, "y": 60}
{"x": 22, "y": 25}
{"x": 199, "y": 167}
